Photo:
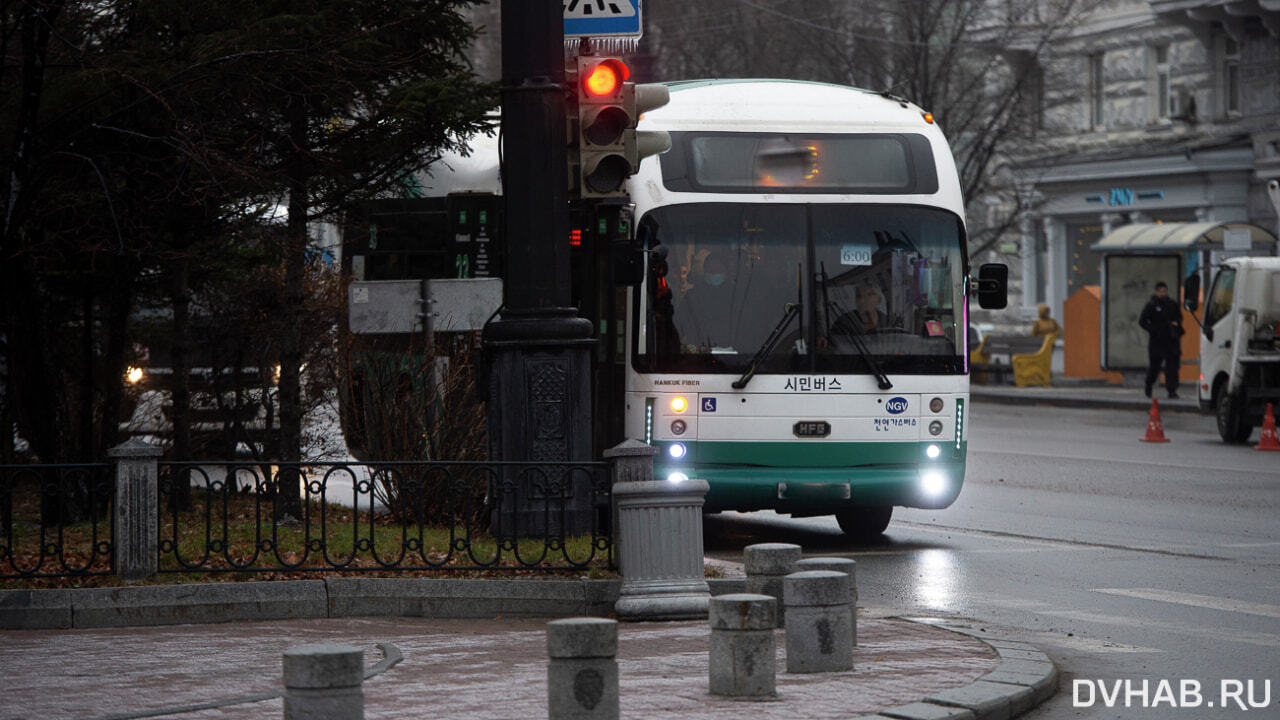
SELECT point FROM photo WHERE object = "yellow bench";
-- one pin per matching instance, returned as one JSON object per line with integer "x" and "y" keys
{"x": 1030, "y": 358}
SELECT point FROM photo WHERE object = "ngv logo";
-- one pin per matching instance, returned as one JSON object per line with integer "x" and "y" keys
{"x": 896, "y": 406}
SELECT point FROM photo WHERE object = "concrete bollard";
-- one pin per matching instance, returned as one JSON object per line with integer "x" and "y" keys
{"x": 322, "y": 681}
{"x": 658, "y": 538}
{"x": 844, "y": 565}
{"x": 820, "y": 622}
{"x": 582, "y": 674}
{"x": 743, "y": 649}
{"x": 766, "y": 564}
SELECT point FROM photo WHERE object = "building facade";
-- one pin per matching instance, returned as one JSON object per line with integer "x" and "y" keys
{"x": 1151, "y": 111}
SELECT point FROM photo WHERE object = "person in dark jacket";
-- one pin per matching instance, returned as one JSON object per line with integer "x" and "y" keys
{"x": 1162, "y": 319}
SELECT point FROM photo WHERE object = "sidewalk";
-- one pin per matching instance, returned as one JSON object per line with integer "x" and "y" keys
{"x": 1066, "y": 392}
{"x": 496, "y": 668}
{"x": 1080, "y": 392}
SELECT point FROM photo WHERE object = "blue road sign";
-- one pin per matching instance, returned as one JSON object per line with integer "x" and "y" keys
{"x": 602, "y": 18}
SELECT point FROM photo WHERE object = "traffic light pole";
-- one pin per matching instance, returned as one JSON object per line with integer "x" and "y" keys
{"x": 539, "y": 350}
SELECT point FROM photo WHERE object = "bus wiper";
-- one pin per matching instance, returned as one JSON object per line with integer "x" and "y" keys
{"x": 842, "y": 321}
{"x": 793, "y": 309}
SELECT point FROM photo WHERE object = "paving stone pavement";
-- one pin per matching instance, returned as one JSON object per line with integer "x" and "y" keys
{"x": 451, "y": 669}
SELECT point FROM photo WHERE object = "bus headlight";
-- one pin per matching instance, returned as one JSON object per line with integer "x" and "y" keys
{"x": 933, "y": 484}
{"x": 932, "y": 451}
{"x": 679, "y": 404}
{"x": 677, "y": 450}
{"x": 676, "y": 478}
{"x": 935, "y": 427}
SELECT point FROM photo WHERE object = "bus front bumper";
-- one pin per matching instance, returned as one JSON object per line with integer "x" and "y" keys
{"x": 825, "y": 490}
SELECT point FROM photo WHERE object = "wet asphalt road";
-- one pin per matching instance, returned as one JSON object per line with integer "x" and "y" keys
{"x": 1125, "y": 561}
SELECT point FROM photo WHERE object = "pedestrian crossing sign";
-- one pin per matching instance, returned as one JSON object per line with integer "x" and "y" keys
{"x": 602, "y": 18}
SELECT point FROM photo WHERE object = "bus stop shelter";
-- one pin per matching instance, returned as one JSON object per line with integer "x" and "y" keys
{"x": 1136, "y": 256}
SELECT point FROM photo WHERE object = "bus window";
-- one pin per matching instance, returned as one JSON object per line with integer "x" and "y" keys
{"x": 891, "y": 275}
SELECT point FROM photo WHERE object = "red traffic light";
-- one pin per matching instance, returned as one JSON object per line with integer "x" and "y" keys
{"x": 605, "y": 78}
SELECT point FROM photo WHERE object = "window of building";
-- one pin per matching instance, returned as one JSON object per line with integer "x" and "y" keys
{"x": 1040, "y": 288}
{"x": 1096, "y": 93}
{"x": 1166, "y": 102}
{"x": 1230, "y": 76}
{"x": 1035, "y": 97}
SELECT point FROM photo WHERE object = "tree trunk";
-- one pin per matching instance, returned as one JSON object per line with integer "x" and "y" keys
{"x": 179, "y": 388}
{"x": 36, "y": 399}
{"x": 289, "y": 502}
{"x": 119, "y": 305}
{"x": 88, "y": 362}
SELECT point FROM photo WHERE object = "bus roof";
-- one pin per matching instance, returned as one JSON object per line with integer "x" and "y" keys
{"x": 794, "y": 104}
{"x": 790, "y": 106}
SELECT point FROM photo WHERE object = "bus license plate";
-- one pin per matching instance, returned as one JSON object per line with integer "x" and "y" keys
{"x": 812, "y": 428}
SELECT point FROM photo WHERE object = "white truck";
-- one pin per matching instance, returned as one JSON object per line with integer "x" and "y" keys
{"x": 1239, "y": 343}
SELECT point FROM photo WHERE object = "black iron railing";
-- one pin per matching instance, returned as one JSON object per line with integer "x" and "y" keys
{"x": 384, "y": 516}
{"x": 55, "y": 520}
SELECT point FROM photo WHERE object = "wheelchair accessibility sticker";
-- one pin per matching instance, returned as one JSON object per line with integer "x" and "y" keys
{"x": 708, "y": 404}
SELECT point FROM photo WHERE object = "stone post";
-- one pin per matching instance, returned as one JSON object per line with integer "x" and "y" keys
{"x": 846, "y": 566}
{"x": 742, "y": 661}
{"x": 582, "y": 674}
{"x": 766, "y": 564}
{"x": 659, "y": 539}
{"x": 322, "y": 681}
{"x": 136, "y": 512}
{"x": 819, "y": 622}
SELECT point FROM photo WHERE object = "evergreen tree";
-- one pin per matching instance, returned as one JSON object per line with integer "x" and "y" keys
{"x": 144, "y": 138}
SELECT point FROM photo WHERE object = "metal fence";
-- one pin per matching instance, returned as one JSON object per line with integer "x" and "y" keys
{"x": 62, "y": 520}
{"x": 386, "y": 516}
{"x": 55, "y": 520}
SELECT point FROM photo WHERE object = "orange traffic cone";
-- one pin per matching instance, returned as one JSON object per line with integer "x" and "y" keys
{"x": 1155, "y": 429}
{"x": 1269, "y": 441}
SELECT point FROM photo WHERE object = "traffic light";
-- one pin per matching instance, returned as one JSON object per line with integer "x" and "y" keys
{"x": 643, "y": 143}
{"x": 602, "y": 126}
{"x": 609, "y": 147}
{"x": 572, "y": 151}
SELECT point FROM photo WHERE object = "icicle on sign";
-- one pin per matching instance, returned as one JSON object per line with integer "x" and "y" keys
{"x": 613, "y": 25}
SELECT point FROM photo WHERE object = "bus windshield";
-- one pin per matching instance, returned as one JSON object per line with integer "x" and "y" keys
{"x": 872, "y": 285}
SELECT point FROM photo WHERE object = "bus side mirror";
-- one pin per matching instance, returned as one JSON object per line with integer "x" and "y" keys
{"x": 1191, "y": 292}
{"x": 628, "y": 264}
{"x": 993, "y": 286}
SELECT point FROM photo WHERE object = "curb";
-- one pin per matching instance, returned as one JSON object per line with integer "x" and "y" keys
{"x": 1024, "y": 678}
{"x": 310, "y": 599}
{"x": 1069, "y": 401}
{"x": 303, "y": 599}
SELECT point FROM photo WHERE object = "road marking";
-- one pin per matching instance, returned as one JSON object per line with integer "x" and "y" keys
{"x": 1204, "y": 601}
{"x": 1124, "y": 621}
{"x": 1075, "y": 544}
{"x": 1046, "y": 547}
{"x": 1076, "y": 640}
{"x": 1112, "y": 461}
{"x": 1127, "y": 621}
{"x": 1252, "y": 545}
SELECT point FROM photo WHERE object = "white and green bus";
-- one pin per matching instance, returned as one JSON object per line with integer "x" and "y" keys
{"x": 799, "y": 340}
